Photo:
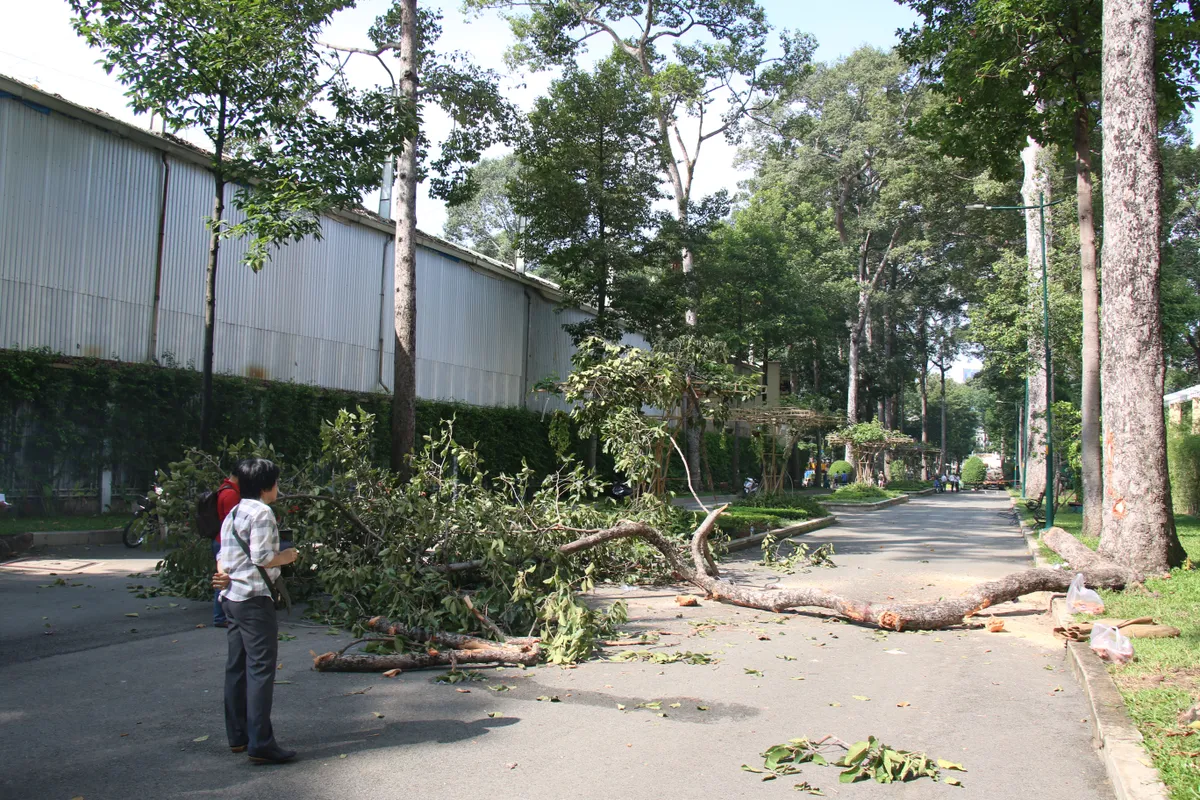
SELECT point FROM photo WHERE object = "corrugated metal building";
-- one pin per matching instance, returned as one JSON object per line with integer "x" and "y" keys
{"x": 102, "y": 253}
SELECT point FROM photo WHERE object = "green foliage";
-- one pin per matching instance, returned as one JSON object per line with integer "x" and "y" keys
{"x": 1183, "y": 462}
{"x": 909, "y": 486}
{"x": 787, "y": 556}
{"x": 481, "y": 116}
{"x": 248, "y": 75}
{"x": 611, "y": 384}
{"x": 974, "y": 471}
{"x": 981, "y": 57}
{"x": 870, "y": 759}
{"x": 487, "y": 222}
{"x": 840, "y": 468}
{"x": 373, "y": 544}
{"x": 784, "y": 500}
{"x": 897, "y": 471}
{"x": 587, "y": 180}
{"x": 861, "y": 493}
{"x": 70, "y": 418}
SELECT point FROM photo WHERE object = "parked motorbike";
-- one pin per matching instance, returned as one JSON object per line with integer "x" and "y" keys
{"x": 750, "y": 486}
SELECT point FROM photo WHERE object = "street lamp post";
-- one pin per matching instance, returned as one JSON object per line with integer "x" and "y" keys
{"x": 1041, "y": 209}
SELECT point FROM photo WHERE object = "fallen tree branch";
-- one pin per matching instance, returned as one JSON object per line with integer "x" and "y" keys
{"x": 365, "y": 662}
{"x": 349, "y": 512}
{"x": 891, "y": 616}
{"x": 459, "y": 649}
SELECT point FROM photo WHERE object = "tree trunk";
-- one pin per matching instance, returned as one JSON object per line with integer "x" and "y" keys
{"x": 922, "y": 333}
{"x": 404, "y": 365}
{"x": 945, "y": 431}
{"x": 210, "y": 282}
{"x": 1093, "y": 498}
{"x": 1139, "y": 529}
{"x": 1037, "y": 182}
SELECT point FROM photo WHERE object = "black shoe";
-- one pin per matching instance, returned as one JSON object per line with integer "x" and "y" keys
{"x": 237, "y": 748}
{"x": 220, "y": 624}
{"x": 276, "y": 755}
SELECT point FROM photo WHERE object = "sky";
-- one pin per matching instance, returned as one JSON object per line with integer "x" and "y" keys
{"x": 39, "y": 46}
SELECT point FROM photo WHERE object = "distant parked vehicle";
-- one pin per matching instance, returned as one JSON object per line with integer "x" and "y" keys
{"x": 750, "y": 486}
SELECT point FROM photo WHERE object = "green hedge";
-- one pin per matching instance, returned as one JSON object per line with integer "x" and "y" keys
{"x": 79, "y": 416}
{"x": 1183, "y": 462}
{"x": 974, "y": 471}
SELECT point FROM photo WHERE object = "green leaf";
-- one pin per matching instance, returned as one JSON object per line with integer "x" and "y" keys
{"x": 944, "y": 764}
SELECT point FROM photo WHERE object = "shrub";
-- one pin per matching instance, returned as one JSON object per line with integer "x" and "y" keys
{"x": 974, "y": 471}
{"x": 1183, "y": 462}
{"x": 840, "y": 468}
{"x": 910, "y": 486}
{"x": 897, "y": 471}
{"x": 861, "y": 493}
{"x": 792, "y": 502}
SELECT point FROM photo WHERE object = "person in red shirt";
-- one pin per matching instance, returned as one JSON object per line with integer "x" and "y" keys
{"x": 228, "y": 496}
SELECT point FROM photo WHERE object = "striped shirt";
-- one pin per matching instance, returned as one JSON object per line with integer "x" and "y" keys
{"x": 255, "y": 524}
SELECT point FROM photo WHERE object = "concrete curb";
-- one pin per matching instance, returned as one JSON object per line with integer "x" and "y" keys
{"x": 1119, "y": 743}
{"x": 894, "y": 501}
{"x": 782, "y": 533}
{"x": 56, "y": 538}
{"x": 920, "y": 492}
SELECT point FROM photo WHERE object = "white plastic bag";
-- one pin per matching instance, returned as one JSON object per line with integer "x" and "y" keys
{"x": 1082, "y": 600}
{"x": 1111, "y": 645}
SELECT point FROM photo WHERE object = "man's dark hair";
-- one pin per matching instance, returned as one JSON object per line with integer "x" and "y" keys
{"x": 255, "y": 476}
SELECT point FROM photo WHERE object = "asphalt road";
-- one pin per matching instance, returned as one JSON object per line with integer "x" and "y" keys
{"x": 111, "y": 706}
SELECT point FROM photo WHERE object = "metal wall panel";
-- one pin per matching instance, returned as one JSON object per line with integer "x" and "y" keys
{"x": 78, "y": 225}
{"x": 80, "y": 208}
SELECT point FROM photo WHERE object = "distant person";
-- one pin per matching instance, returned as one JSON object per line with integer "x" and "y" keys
{"x": 228, "y": 496}
{"x": 248, "y": 564}
{"x": 937, "y": 484}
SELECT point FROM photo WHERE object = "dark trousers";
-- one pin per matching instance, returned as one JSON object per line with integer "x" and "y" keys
{"x": 250, "y": 672}
{"x": 218, "y": 613}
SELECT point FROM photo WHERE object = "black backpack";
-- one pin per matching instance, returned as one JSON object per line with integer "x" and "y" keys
{"x": 208, "y": 521}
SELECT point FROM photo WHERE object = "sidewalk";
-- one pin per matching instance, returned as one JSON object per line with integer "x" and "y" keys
{"x": 122, "y": 719}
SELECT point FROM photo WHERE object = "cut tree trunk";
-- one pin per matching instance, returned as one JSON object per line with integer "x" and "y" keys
{"x": 1139, "y": 528}
{"x": 404, "y": 362}
{"x": 1093, "y": 498}
{"x": 368, "y": 662}
{"x": 444, "y": 650}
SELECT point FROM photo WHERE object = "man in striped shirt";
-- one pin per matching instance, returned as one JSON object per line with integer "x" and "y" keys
{"x": 250, "y": 557}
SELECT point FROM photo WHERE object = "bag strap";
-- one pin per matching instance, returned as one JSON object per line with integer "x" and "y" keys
{"x": 271, "y": 587}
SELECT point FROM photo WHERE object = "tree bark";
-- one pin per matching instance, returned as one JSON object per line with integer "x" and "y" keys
{"x": 404, "y": 364}
{"x": 867, "y": 284}
{"x": 923, "y": 334}
{"x": 210, "y": 282}
{"x": 1037, "y": 182}
{"x": 945, "y": 428}
{"x": 367, "y": 662}
{"x": 1138, "y": 529}
{"x": 1093, "y": 497}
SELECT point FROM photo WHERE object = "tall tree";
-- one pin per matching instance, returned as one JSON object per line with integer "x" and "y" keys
{"x": 1139, "y": 528}
{"x": 841, "y": 138}
{"x": 248, "y": 74}
{"x": 1025, "y": 75}
{"x": 717, "y": 76}
{"x": 587, "y": 180}
{"x": 425, "y": 76}
{"x": 487, "y": 223}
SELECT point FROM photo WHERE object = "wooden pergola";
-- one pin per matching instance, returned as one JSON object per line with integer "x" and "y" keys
{"x": 781, "y": 428}
{"x": 866, "y": 452}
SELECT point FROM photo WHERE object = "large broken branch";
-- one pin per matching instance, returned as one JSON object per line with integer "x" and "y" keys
{"x": 458, "y": 649}
{"x": 891, "y": 616}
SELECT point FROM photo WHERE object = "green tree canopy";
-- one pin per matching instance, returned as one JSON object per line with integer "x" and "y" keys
{"x": 588, "y": 177}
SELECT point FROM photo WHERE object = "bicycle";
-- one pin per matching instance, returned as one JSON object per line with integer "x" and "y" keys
{"x": 145, "y": 519}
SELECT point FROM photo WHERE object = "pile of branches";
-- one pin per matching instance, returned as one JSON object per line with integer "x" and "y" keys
{"x": 698, "y": 568}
